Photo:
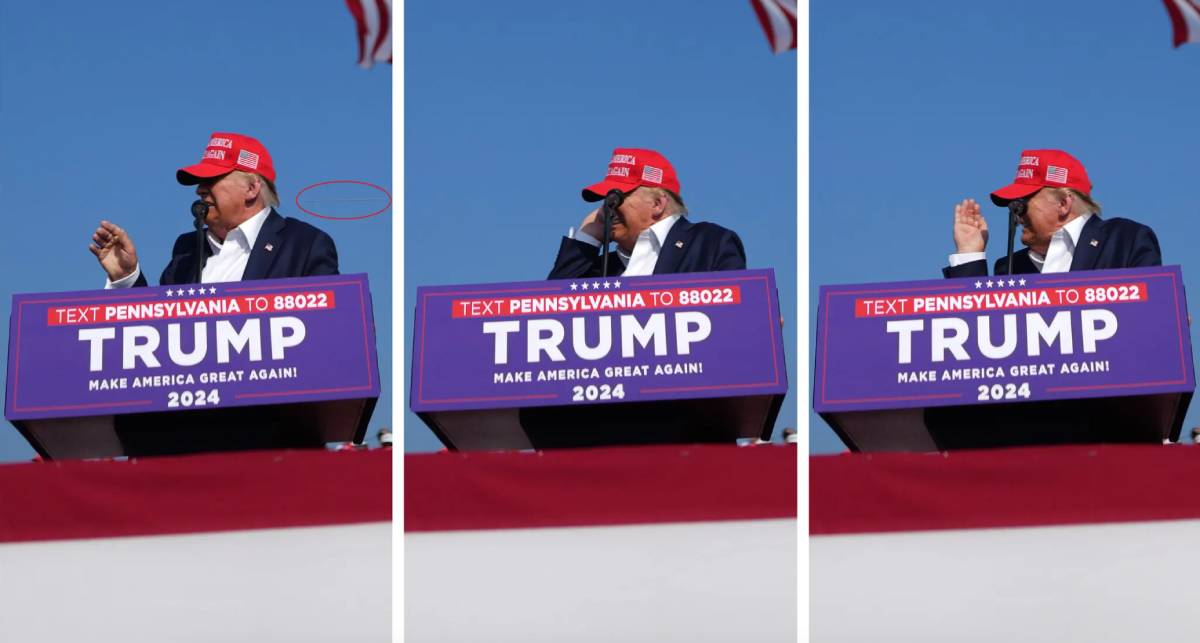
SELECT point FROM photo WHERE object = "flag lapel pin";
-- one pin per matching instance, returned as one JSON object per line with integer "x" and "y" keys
{"x": 679, "y": 244}
{"x": 269, "y": 247}
{"x": 1095, "y": 243}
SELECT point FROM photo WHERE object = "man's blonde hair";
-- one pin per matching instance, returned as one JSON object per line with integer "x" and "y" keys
{"x": 675, "y": 202}
{"x": 268, "y": 189}
{"x": 1084, "y": 204}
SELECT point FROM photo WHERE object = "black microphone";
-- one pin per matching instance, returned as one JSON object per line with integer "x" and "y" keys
{"x": 1016, "y": 210}
{"x": 612, "y": 201}
{"x": 199, "y": 209}
{"x": 199, "y": 212}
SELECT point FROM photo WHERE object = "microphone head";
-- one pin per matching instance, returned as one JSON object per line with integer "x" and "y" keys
{"x": 614, "y": 198}
{"x": 199, "y": 209}
{"x": 1016, "y": 208}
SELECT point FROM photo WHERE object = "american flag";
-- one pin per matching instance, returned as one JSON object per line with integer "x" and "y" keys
{"x": 778, "y": 19}
{"x": 373, "y": 20}
{"x": 1185, "y": 20}
{"x": 248, "y": 159}
{"x": 1056, "y": 174}
{"x": 652, "y": 174}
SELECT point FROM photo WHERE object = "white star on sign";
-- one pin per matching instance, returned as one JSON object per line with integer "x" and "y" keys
{"x": 1022, "y": 282}
{"x": 1012, "y": 282}
{"x": 170, "y": 292}
{"x": 978, "y": 284}
{"x": 616, "y": 284}
{"x": 191, "y": 291}
{"x": 574, "y": 287}
{"x": 989, "y": 283}
{"x": 595, "y": 285}
{"x": 584, "y": 286}
{"x": 212, "y": 290}
{"x": 606, "y": 285}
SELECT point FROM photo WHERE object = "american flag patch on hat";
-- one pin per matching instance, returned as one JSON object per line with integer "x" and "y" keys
{"x": 1056, "y": 174}
{"x": 248, "y": 159}
{"x": 652, "y": 174}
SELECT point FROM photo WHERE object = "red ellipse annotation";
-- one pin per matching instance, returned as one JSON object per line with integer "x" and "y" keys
{"x": 337, "y": 218}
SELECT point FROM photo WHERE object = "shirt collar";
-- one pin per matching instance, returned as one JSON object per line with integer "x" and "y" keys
{"x": 656, "y": 234}
{"x": 661, "y": 229}
{"x": 248, "y": 230}
{"x": 1070, "y": 231}
{"x": 1074, "y": 228}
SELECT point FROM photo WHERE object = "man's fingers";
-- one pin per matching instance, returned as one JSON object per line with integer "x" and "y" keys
{"x": 94, "y": 250}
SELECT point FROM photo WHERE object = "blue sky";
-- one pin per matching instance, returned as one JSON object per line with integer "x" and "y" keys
{"x": 100, "y": 103}
{"x": 511, "y": 108}
{"x": 915, "y": 106}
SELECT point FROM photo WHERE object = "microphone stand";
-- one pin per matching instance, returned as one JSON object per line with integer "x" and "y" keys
{"x": 612, "y": 201}
{"x": 199, "y": 212}
{"x": 1016, "y": 209}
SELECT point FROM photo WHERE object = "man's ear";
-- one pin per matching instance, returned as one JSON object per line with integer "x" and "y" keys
{"x": 1066, "y": 204}
{"x": 253, "y": 187}
{"x": 660, "y": 204}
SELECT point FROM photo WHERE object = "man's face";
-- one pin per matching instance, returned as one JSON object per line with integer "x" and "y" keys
{"x": 1044, "y": 214}
{"x": 641, "y": 209}
{"x": 226, "y": 198}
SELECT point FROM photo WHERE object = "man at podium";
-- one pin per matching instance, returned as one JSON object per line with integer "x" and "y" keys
{"x": 652, "y": 232}
{"x": 1061, "y": 226}
{"x": 245, "y": 237}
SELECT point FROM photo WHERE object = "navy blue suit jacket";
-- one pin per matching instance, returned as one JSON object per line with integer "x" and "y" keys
{"x": 297, "y": 249}
{"x": 689, "y": 247}
{"x": 1103, "y": 244}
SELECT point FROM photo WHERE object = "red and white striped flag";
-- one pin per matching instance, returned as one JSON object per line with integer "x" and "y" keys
{"x": 373, "y": 19}
{"x": 778, "y": 19}
{"x": 1185, "y": 20}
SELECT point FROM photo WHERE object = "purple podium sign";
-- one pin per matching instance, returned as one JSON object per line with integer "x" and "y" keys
{"x": 593, "y": 343}
{"x": 1002, "y": 341}
{"x": 99, "y": 354}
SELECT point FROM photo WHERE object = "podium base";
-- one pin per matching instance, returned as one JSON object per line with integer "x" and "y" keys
{"x": 715, "y": 420}
{"x": 282, "y": 426}
{"x": 1145, "y": 419}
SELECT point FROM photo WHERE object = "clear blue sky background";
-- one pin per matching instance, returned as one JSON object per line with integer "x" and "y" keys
{"x": 100, "y": 103}
{"x": 915, "y": 106}
{"x": 512, "y": 108}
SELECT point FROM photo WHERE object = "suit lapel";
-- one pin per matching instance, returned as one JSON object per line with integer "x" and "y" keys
{"x": 185, "y": 269}
{"x": 266, "y": 247}
{"x": 1087, "y": 250}
{"x": 672, "y": 251}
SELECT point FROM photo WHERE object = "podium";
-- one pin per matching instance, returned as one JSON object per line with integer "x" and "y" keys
{"x": 1086, "y": 357}
{"x": 694, "y": 357}
{"x": 181, "y": 369}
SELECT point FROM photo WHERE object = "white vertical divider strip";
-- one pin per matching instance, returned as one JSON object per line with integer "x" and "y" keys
{"x": 803, "y": 333}
{"x": 399, "y": 331}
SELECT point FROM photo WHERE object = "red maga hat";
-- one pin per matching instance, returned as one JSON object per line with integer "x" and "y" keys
{"x": 631, "y": 168}
{"x": 225, "y": 153}
{"x": 1039, "y": 169}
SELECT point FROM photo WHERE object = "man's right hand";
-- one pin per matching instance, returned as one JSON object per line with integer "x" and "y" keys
{"x": 593, "y": 224}
{"x": 114, "y": 250}
{"x": 970, "y": 228}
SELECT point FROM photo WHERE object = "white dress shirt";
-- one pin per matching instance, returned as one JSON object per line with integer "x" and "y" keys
{"x": 229, "y": 257}
{"x": 1058, "y": 255}
{"x": 645, "y": 251}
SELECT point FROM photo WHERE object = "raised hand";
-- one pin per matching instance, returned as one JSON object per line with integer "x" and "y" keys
{"x": 593, "y": 223}
{"x": 970, "y": 228}
{"x": 114, "y": 250}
